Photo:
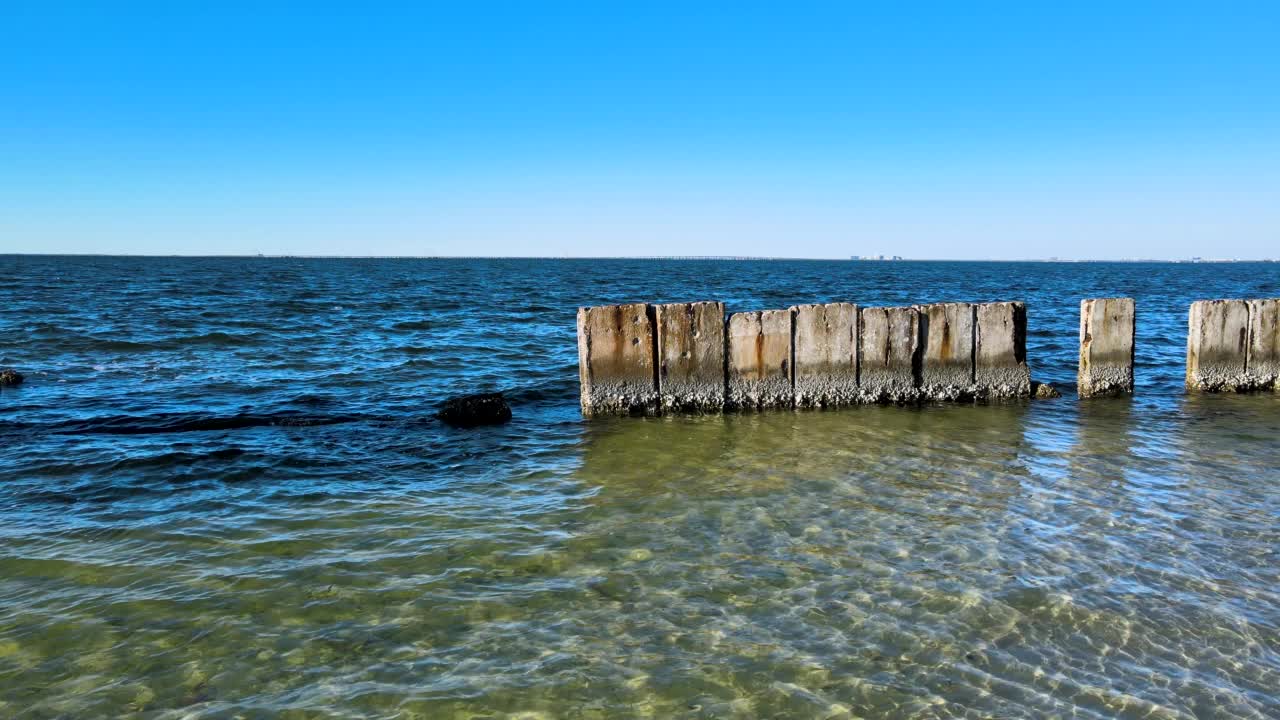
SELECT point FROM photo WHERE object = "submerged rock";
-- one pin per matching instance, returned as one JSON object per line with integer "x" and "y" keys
{"x": 1045, "y": 391}
{"x": 475, "y": 410}
{"x": 10, "y": 377}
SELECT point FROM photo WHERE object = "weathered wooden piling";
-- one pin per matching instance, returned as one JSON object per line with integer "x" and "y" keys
{"x": 691, "y": 368}
{"x": 1106, "y": 347}
{"x": 825, "y": 354}
{"x": 616, "y": 345}
{"x": 759, "y": 362}
{"x": 1000, "y": 350}
{"x": 888, "y": 354}
{"x": 1218, "y": 345}
{"x": 1262, "y": 366}
{"x": 946, "y": 351}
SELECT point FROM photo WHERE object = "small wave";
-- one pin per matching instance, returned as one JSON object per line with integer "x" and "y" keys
{"x": 409, "y": 350}
{"x": 101, "y": 345}
{"x": 311, "y": 399}
{"x": 92, "y": 343}
{"x": 419, "y": 363}
{"x": 559, "y": 388}
{"x": 538, "y": 308}
{"x": 412, "y": 325}
{"x": 211, "y": 338}
{"x": 177, "y": 423}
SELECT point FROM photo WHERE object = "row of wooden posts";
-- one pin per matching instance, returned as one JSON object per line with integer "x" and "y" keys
{"x": 687, "y": 357}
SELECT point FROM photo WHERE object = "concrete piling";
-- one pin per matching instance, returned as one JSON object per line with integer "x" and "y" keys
{"x": 1000, "y": 350}
{"x": 1262, "y": 365}
{"x": 643, "y": 359}
{"x": 616, "y": 345}
{"x": 1217, "y": 346}
{"x": 1106, "y": 347}
{"x": 685, "y": 357}
{"x": 691, "y": 361}
{"x": 946, "y": 351}
{"x": 825, "y": 354}
{"x": 888, "y": 354}
{"x": 759, "y": 361}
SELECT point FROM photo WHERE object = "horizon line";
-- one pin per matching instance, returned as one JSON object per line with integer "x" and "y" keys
{"x": 742, "y": 258}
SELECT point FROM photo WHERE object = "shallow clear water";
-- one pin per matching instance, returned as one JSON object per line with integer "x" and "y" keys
{"x": 222, "y": 494}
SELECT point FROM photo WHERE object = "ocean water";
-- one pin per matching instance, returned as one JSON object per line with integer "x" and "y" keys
{"x": 222, "y": 495}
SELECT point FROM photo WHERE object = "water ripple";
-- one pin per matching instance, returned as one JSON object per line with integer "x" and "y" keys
{"x": 224, "y": 495}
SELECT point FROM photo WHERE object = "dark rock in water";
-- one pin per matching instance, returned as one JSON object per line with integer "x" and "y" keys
{"x": 1044, "y": 391}
{"x": 10, "y": 377}
{"x": 475, "y": 410}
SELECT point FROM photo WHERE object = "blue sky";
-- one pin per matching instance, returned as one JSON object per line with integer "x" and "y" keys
{"x": 954, "y": 130}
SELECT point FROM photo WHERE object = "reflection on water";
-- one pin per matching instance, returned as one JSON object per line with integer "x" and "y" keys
{"x": 1100, "y": 559}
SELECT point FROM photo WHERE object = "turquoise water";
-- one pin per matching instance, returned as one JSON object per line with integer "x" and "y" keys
{"x": 223, "y": 496}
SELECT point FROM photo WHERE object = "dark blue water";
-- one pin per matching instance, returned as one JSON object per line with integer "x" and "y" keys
{"x": 223, "y": 492}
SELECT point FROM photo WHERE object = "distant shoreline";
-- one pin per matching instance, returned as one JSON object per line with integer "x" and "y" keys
{"x": 734, "y": 258}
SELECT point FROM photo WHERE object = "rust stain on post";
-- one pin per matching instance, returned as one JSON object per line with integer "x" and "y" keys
{"x": 946, "y": 352}
{"x": 616, "y": 360}
{"x": 758, "y": 362}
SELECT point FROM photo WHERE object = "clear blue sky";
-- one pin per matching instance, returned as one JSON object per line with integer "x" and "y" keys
{"x": 966, "y": 130}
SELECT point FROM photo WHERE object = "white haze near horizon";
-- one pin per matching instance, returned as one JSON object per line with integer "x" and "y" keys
{"x": 1050, "y": 211}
